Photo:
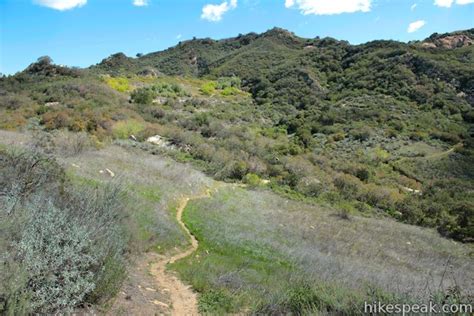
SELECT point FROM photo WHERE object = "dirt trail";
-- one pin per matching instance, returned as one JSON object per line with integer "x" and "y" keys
{"x": 445, "y": 153}
{"x": 432, "y": 156}
{"x": 183, "y": 299}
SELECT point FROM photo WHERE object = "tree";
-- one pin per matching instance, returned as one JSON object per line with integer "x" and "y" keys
{"x": 45, "y": 60}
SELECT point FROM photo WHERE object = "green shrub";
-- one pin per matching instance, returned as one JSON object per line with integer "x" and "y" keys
{"x": 461, "y": 224}
{"x": 362, "y": 134}
{"x": 348, "y": 185}
{"x": 123, "y": 129}
{"x": 143, "y": 96}
{"x": 209, "y": 88}
{"x": 228, "y": 82}
{"x": 230, "y": 91}
{"x": 215, "y": 302}
{"x": 345, "y": 210}
{"x": 252, "y": 180}
{"x": 310, "y": 186}
{"x": 233, "y": 170}
{"x": 380, "y": 155}
{"x": 362, "y": 173}
{"x": 108, "y": 280}
{"x": 380, "y": 196}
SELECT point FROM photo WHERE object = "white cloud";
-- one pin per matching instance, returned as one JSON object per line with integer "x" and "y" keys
{"x": 328, "y": 7}
{"x": 214, "y": 12}
{"x": 449, "y": 3}
{"x": 413, "y": 7}
{"x": 415, "y": 26}
{"x": 140, "y": 3}
{"x": 61, "y": 5}
{"x": 289, "y": 3}
{"x": 444, "y": 3}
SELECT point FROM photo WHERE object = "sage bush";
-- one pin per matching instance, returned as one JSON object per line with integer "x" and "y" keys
{"x": 62, "y": 245}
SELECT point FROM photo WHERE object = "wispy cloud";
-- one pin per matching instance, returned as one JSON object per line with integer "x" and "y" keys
{"x": 415, "y": 26}
{"x": 413, "y": 6}
{"x": 449, "y": 3}
{"x": 140, "y": 3}
{"x": 179, "y": 36}
{"x": 328, "y": 7}
{"x": 214, "y": 12}
{"x": 61, "y": 5}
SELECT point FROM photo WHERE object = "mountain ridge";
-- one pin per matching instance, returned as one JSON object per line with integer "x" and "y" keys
{"x": 260, "y": 57}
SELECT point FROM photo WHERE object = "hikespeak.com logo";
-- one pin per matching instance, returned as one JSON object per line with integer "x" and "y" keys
{"x": 430, "y": 308}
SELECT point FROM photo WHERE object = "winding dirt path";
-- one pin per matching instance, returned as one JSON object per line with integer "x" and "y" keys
{"x": 183, "y": 298}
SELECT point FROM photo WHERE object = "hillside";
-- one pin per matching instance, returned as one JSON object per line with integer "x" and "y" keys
{"x": 374, "y": 140}
{"x": 320, "y": 118}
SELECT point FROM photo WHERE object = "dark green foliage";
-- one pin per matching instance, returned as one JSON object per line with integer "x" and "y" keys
{"x": 462, "y": 227}
{"x": 143, "y": 96}
{"x": 44, "y": 66}
{"x": 148, "y": 94}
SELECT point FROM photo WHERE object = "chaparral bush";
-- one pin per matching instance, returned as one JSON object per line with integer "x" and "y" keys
{"x": 61, "y": 245}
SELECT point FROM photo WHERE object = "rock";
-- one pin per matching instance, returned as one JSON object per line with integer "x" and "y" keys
{"x": 150, "y": 72}
{"x": 450, "y": 42}
{"x": 428, "y": 45}
{"x": 159, "y": 141}
{"x": 156, "y": 302}
{"x": 455, "y": 41}
{"x": 410, "y": 190}
{"x": 50, "y": 104}
{"x": 160, "y": 100}
{"x": 110, "y": 173}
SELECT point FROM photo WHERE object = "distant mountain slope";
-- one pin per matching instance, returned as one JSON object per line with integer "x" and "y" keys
{"x": 267, "y": 62}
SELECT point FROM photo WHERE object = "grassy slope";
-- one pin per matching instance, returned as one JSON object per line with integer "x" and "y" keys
{"x": 256, "y": 246}
{"x": 153, "y": 185}
{"x": 258, "y": 250}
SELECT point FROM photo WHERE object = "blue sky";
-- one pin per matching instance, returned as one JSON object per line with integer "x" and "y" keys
{"x": 83, "y": 32}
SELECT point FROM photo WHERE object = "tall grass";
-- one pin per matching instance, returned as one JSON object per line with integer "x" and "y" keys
{"x": 277, "y": 256}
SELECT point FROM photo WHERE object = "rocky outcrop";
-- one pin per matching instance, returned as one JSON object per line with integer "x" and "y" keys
{"x": 450, "y": 42}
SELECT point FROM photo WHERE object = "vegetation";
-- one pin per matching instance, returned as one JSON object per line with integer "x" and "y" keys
{"x": 285, "y": 257}
{"x": 71, "y": 247}
{"x": 382, "y": 129}
{"x": 330, "y": 121}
